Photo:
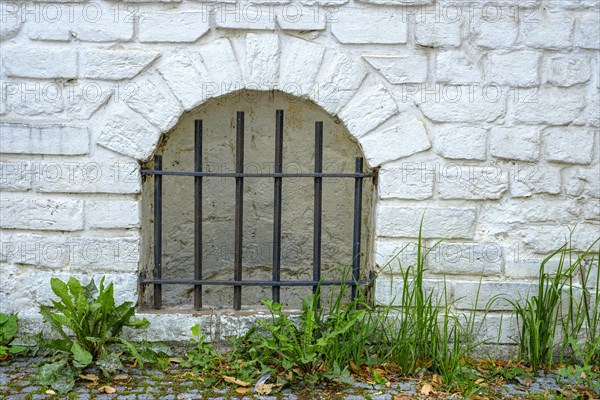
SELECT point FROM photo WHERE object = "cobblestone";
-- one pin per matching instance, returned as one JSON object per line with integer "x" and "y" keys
{"x": 17, "y": 382}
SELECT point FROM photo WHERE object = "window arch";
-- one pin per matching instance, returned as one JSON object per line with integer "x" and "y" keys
{"x": 219, "y": 125}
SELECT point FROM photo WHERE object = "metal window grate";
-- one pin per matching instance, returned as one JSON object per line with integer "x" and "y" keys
{"x": 237, "y": 283}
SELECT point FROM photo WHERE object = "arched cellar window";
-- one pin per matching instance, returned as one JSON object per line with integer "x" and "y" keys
{"x": 210, "y": 238}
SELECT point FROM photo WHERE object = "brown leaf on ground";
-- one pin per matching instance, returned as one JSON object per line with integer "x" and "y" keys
{"x": 89, "y": 377}
{"x": 242, "y": 390}
{"x": 427, "y": 389}
{"x": 50, "y": 392}
{"x": 120, "y": 377}
{"x": 236, "y": 381}
{"x": 264, "y": 388}
{"x": 402, "y": 397}
{"x": 107, "y": 389}
{"x": 586, "y": 393}
{"x": 565, "y": 392}
{"x": 176, "y": 360}
{"x": 436, "y": 379}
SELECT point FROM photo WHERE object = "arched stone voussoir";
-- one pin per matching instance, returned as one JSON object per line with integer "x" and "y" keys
{"x": 198, "y": 75}
{"x": 122, "y": 130}
{"x": 401, "y": 137}
{"x": 153, "y": 100}
{"x": 185, "y": 77}
{"x": 300, "y": 63}
{"x": 370, "y": 106}
{"x": 338, "y": 79}
{"x": 224, "y": 70}
{"x": 261, "y": 60}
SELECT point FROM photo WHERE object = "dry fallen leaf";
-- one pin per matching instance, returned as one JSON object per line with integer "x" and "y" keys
{"x": 89, "y": 377}
{"x": 242, "y": 390}
{"x": 176, "y": 360}
{"x": 107, "y": 389}
{"x": 49, "y": 391}
{"x": 587, "y": 394}
{"x": 427, "y": 389}
{"x": 231, "y": 379}
{"x": 565, "y": 392}
{"x": 92, "y": 384}
{"x": 402, "y": 397}
{"x": 264, "y": 388}
{"x": 436, "y": 379}
{"x": 480, "y": 380}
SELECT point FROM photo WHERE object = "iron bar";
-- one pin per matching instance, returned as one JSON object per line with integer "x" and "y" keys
{"x": 259, "y": 175}
{"x": 318, "y": 202}
{"x": 157, "y": 273}
{"x": 254, "y": 282}
{"x": 198, "y": 213}
{"x": 239, "y": 209}
{"x": 358, "y": 167}
{"x": 277, "y": 204}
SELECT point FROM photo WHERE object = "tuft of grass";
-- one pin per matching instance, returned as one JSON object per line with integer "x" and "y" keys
{"x": 580, "y": 321}
{"x": 425, "y": 331}
{"x": 540, "y": 315}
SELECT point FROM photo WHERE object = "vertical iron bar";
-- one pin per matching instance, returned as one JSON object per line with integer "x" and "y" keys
{"x": 239, "y": 209}
{"x": 358, "y": 167}
{"x": 157, "y": 273}
{"x": 318, "y": 201}
{"x": 198, "y": 213}
{"x": 277, "y": 205}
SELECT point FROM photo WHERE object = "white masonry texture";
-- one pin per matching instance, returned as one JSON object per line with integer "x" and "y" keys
{"x": 481, "y": 116}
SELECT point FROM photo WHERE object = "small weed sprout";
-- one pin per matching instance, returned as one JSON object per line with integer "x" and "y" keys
{"x": 9, "y": 326}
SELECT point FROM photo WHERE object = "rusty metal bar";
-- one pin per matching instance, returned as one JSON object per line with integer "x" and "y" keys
{"x": 358, "y": 167}
{"x": 157, "y": 273}
{"x": 198, "y": 213}
{"x": 254, "y": 282}
{"x": 318, "y": 203}
{"x": 275, "y": 291}
{"x": 239, "y": 209}
{"x": 260, "y": 175}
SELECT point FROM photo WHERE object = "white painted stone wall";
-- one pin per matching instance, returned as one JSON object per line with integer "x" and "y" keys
{"x": 483, "y": 115}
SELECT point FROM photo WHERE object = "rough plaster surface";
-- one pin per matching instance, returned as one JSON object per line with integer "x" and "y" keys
{"x": 485, "y": 117}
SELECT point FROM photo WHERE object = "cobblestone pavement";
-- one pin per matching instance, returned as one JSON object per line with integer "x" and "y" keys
{"x": 17, "y": 381}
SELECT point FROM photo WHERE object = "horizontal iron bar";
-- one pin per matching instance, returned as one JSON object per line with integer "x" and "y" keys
{"x": 252, "y": 283}
{"x": 257, "y": 175}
